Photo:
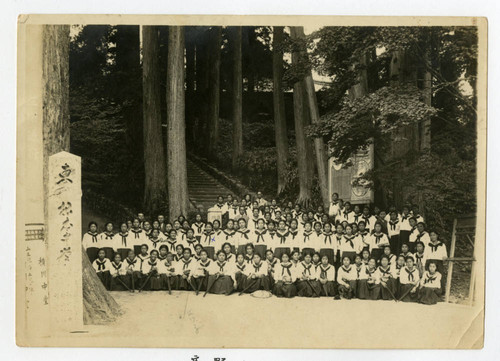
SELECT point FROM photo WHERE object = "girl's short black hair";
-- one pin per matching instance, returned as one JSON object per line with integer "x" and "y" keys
{"x": 92, "y": 223}
{"x": 154, "y": 251}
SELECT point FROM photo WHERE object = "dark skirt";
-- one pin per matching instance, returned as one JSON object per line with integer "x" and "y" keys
{"x": 306, "y": 251}
{"x": 376, "y": 253}
{"x": 412, "y": 247}
{"x": 261, "y": 249}
{"x": 395, "y": 244}
{"x": 221, "y": 285}
{"x": 327, "y": 252}
{"x": 367, "y": 291}
{"x": 287, "y": 290}
{"x": 116, "y": 285}
{"x": 241, "y": 249}
{"x": 92, "y": 253}
{"x": 280, "y": 251}
{"x": 183, "y": 284}
{"x": 123, "y": 252}
{"x": 351, "y": 255}
{"x": 252, "y": 285}
{"x": 385, "y": 293}
{"x": 410, "y": 297}
{"x": 167, "y": 281}
{"x": 105, "y": 278}
{"x": 132, "y": 280}
{"x": 404, "y": 237}
{"x": 200, "y": 283}
{"x": 348, "y": 293}
{"x": 240, "y": 281}
{"x": 338, "y": 262}
{"x": 110, "y": 253}
{"x": 155, "y": 283}
{"x": 330, "y": 287}
{"x": 210, "y": 251}
{"x": 308, "y": 289}
{"x": 429, "y": 296}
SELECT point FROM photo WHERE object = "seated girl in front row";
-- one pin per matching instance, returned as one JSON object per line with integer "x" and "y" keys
{"x": 285, "y": 276}
{"x": 240, "y": 272}
{"x": 200, "y": 272}
{"x": 166, "y": 270}
{"x": 257, "y": 275}
{"x": 346, "y": 279}
{"x": 327, "y": 278}
{"x": 117, "y": 272}
{"x": 221, "y": 275}
{"x": 409, "y": 279}
{"x": 368, "y": 285}
{"x": 430, "y": 285}
{"x": 307, "y": 282}
{"x": 102, "y": 266}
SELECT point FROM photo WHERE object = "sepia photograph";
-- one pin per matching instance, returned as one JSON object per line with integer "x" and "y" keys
{"x": 251, "y": 181}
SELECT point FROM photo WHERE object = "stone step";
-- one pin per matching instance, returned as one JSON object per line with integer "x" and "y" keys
{"x": 203, "y": 189}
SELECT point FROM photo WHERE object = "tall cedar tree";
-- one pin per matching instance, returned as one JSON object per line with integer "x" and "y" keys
{"x": 155, "y": 187}
{"x": 176, "y": 131}
{"x": 237, "y": 99}
{"x": 98, "y": 305}
{"x": 301, "y": 119}
{"x": 320, "y": 150}
{"x": 214, "y": 56}
{"x": 279, "y": 108}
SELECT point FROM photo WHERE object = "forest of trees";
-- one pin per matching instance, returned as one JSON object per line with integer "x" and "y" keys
{"x": 143, "y": 98}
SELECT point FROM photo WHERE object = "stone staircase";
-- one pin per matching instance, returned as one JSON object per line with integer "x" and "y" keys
{"x": 203, "y": 189}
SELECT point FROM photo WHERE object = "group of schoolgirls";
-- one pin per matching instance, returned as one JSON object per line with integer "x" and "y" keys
{"x": 344, "y": 252}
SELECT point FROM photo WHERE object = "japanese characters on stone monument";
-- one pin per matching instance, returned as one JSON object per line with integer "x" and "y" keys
{"x": 64, "y": 242}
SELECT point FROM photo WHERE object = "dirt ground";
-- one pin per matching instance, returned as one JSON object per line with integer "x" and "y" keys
{"x": 157, "y": 319}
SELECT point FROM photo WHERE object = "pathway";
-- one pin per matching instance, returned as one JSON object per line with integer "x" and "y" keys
{"x": 203, "y": 189}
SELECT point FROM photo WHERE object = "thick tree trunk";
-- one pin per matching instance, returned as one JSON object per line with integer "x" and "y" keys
{"x": 279, "y": 108}
{"x": 301, "y": 115}
{"x": 425, "y": 128}
{"x": 155, "y": 187}
{"x": 237, "y": 93}
{"x": 176, "y": 131}
{"x": 98, "y": 304}
{"x": 320, "y": 149}
{"x": 202, "y": 62}
{"x": 214, "y": 88}
{"x": 55, "y": 75}
{"x": 305, "y": 179}
{"x": 403, "y": 72}
{"x": 190, "y": 86}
